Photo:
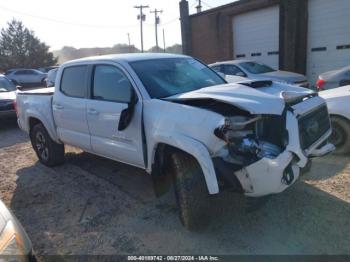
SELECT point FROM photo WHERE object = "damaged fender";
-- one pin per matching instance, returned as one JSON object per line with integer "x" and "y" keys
{"x": 194, "y": 148}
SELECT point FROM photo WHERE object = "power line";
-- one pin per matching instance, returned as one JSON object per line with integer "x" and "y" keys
{"x": 170, "y": 21}
{"x": 65, "y": 22}
{"x": 206, "y": 4}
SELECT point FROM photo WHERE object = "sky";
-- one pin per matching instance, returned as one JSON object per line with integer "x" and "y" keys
{"x": 101, "y": 23}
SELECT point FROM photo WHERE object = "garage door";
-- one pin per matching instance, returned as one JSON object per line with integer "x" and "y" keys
{"x": 328, "y": 36}
{"x": 256, "y": 36}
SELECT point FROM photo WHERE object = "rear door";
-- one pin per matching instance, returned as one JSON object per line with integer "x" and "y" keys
{"x": 69, "y": 107}
{"x": 110, "y": 92}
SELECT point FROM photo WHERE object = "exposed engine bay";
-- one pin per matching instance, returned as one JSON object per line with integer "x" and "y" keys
{"x": 252, "y": 138}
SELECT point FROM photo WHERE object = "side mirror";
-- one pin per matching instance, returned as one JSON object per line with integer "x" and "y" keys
{"x": 20, "y": 88}
{"x": 127, "y": 114}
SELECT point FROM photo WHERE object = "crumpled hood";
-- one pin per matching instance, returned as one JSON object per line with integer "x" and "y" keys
{"x": 278, "y": 88}
{"x": 241, "y": 96}
{"x": 289, "y": 77}
{"x": 264, "y": 100}
{"x": 8, "y": 95}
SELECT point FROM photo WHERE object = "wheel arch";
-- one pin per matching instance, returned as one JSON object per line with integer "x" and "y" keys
{"x": 160, "y": 158}
{"x": 33, "y": 120}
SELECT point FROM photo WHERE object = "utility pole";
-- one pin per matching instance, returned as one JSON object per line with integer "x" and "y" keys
{"x": 142, "y": 18}
{"x": 199, "y": 6}
{"x": 129, "y": 43}
{"x": 156, "y": 23}
{"x": 164, "y": 40}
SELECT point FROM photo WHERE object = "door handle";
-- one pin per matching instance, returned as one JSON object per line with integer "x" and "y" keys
{"x": 58, "y": 107}
{"x": 93, "y": 112}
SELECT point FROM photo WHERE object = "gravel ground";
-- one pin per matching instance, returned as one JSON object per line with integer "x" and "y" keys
{"x": 91, "y": 205}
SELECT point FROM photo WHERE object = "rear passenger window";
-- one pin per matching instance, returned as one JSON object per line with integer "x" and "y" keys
{"x": 111, "y": 84}
{"x": 73, "y": 81}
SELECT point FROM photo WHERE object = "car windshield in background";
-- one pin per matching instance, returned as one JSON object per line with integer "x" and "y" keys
{"x": 6, "y": 85}
{"x": 256, "y": 68}
{"x": 170, "y": 76}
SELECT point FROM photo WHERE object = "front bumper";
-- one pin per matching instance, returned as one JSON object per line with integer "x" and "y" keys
{"x": 271, "y": 176}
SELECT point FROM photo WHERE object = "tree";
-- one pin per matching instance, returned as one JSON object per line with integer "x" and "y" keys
{"x": 19, "y": 47}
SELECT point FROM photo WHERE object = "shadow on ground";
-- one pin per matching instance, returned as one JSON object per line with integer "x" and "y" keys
{"x": 91, "y": 205}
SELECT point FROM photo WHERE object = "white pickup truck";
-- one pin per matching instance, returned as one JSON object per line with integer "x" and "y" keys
{"x": 180, "y": 121}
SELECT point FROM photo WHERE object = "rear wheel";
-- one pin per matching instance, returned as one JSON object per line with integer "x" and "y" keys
{"x": 191, "y": 191}
{"x": 340, "y": 137}
{"x": 48, "y": 151}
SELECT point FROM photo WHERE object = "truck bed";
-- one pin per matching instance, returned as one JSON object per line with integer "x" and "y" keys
{"x": 36, "y": 104}
{"x": 41, "y": 91}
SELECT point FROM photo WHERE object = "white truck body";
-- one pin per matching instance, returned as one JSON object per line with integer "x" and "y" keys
{"x": 189, "y": 121}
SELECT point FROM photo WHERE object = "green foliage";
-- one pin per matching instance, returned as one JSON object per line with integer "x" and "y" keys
{"x": 19, "y": 47}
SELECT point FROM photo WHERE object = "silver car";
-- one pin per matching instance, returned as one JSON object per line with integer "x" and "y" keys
{"x": 27, "y": 77}
{"x": 256, "y": 70}
{"x": 333, "y": 79}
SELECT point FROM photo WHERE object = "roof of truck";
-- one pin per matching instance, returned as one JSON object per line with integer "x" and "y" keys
{"x": 127, "y": 57}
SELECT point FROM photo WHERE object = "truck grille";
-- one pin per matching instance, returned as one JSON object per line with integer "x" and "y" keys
{"x": 313, "y": 126}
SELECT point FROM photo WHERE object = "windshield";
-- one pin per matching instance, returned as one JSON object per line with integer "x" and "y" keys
{"x": 256, "y": 68}
{"x": 170, "y": 76}
{"x": 6, "y": 85}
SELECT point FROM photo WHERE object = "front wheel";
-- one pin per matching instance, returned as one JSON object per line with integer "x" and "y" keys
{"x": 48, "y": 151}
{"x": 191, "y": 191}
{"x": 340, "y": 136}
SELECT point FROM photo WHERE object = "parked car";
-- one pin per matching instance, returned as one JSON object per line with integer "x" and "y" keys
{"x": 333, "y": 79}
{"x": 176, "y": 118}
{"x": 338, "y": 101}
{"x": 27, "y": 77}
{"x": 258, "y": 71}
{"x": 15, "y": 244}
{"x": 51, "y": 77}
{"x": 7, "y": 98}
{"x": 47, "y": 68}
{"x": 12, "y": 70}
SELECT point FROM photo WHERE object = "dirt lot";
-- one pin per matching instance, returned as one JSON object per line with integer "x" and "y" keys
{"x": 95, "y": 206}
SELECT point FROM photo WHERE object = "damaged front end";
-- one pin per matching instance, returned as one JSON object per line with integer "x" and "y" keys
{"x": 270, "y": 131}
{"x": 254, "y": 146}
{"x": 264, "y": 154}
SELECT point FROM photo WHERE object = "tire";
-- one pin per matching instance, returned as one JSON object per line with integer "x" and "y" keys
{"x": 340, "y": 136}
{"x": 48, "y": 151}
{"x": 191, "y": 191}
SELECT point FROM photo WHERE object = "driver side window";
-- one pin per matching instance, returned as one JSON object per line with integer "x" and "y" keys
{"x": 110, "y": 84}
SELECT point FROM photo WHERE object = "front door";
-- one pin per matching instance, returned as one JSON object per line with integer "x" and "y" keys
{"x": 110, "y": 94}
